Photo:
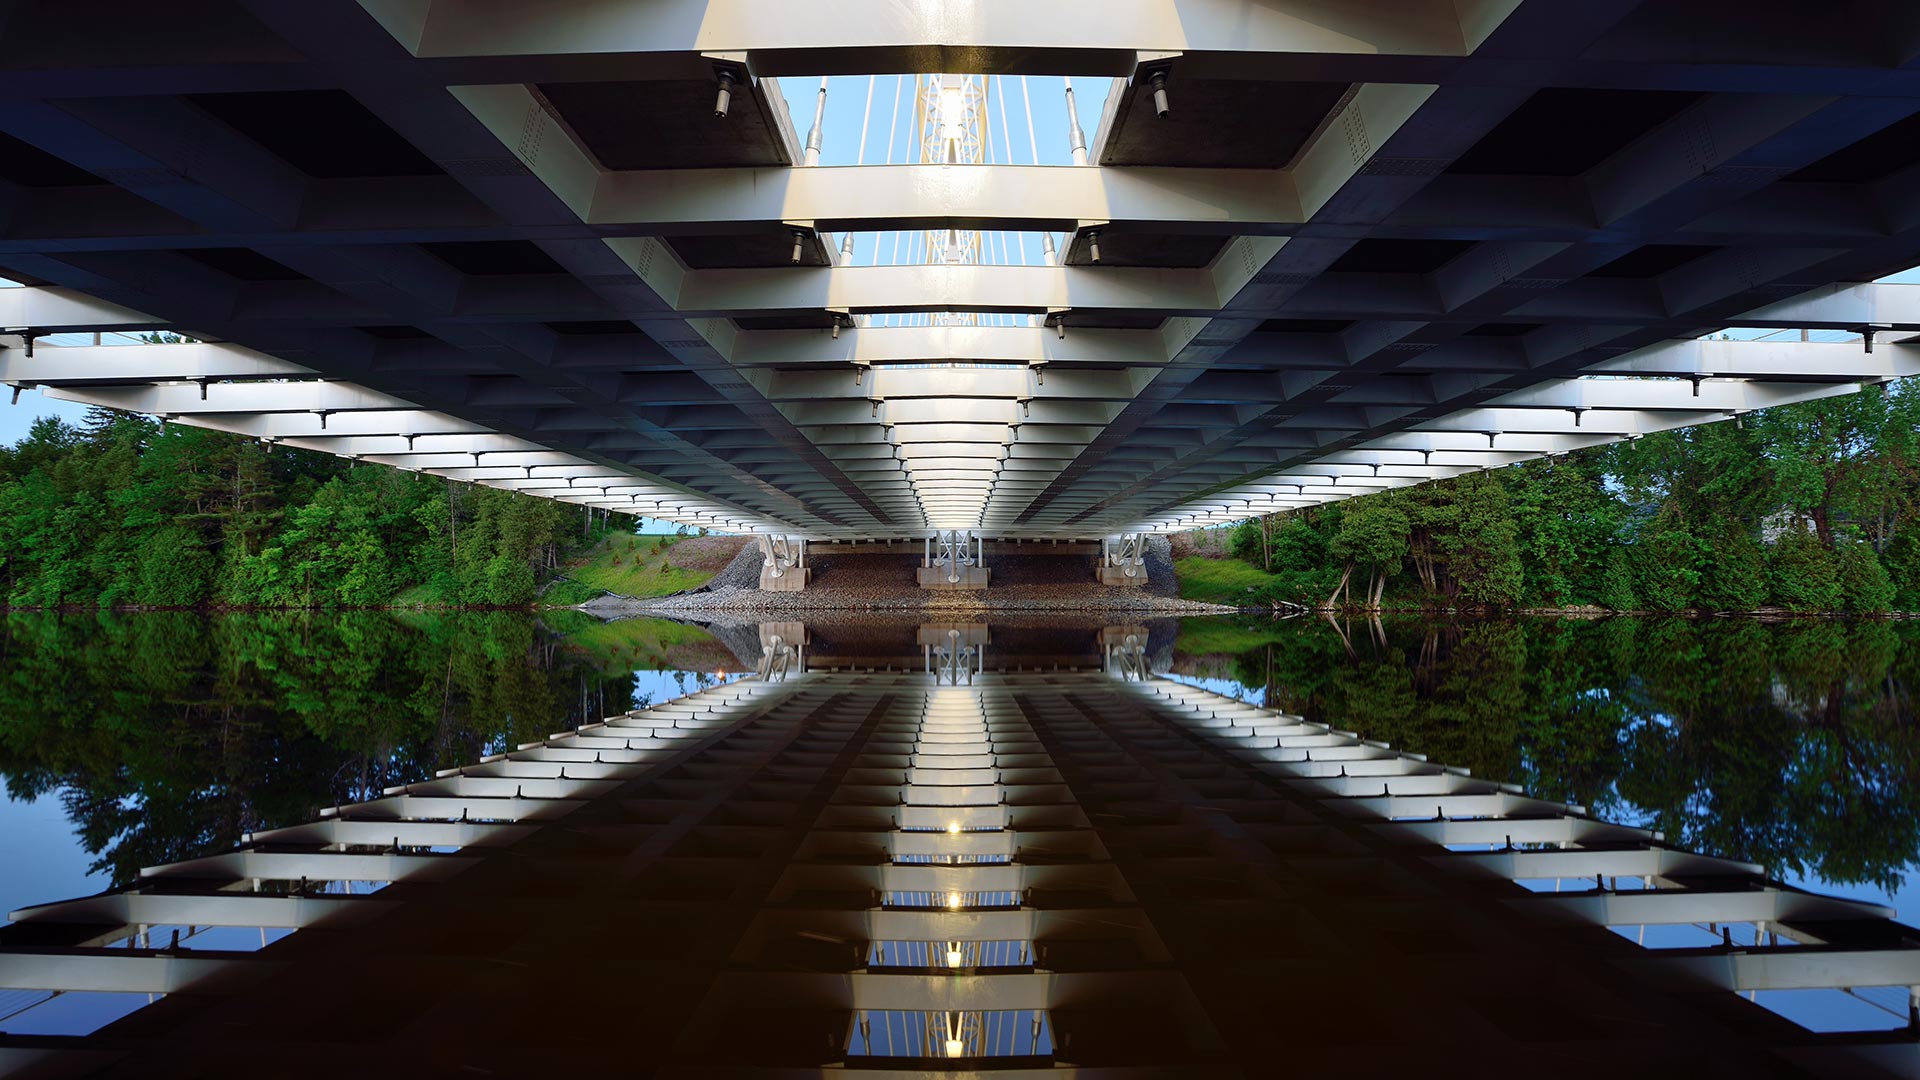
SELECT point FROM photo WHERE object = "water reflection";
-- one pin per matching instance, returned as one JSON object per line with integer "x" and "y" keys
{"x": 382, "y": 746}
{"x": 1791, "y": 745}
{"x": 169, "y": 735}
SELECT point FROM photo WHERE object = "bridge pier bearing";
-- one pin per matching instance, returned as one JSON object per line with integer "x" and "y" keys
{"x": 783, "y": 650}
{"x": 783, "y": 565}
{"x": 954, "y": 652}
{"x": 1125, "y": 649}
{"x": 953, "y": 560}
{"x": 1123, "y": 561}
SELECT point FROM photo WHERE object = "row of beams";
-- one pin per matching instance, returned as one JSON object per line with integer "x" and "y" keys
{"x": 928, "y": 429}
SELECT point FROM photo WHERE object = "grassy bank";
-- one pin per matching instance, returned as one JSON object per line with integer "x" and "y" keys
{"x": 626, "y": 645}
{"x": 642, "y": 567}
{"x": 1225, "y": 636}
{"x": 1219, "y": 581}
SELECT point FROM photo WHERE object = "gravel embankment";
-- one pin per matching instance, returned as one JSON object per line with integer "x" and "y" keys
{"x": 741, "y": 638}
{"x": 850, "y": 581}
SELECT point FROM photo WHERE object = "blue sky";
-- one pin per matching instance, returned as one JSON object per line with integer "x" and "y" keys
{"x": 847, "y": 104}
{"x": 16, "y": 419}
{"x": 43, "y": 858}
{"x": 890, "y": 130}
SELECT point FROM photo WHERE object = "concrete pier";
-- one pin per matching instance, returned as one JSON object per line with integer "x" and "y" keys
{"x": 783, "y": 566}
{"x": 792, "y": 579}
{"x": 955, "y": 580}
{"x": 953, "y": 561}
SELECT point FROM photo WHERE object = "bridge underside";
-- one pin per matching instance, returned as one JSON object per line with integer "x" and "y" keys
{"x": 1369, "y": 245}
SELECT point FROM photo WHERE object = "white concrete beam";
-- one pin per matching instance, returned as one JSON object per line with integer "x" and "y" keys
{"x": 53, "y": 364}
{"x": 769, "y": 29}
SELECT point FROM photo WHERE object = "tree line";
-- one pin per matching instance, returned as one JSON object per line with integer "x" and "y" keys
{"x": 122, "y": 510}
{"x": 1811, "y": 507}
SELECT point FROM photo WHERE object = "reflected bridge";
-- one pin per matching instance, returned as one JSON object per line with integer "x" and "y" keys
{"x": 868, "y": 858}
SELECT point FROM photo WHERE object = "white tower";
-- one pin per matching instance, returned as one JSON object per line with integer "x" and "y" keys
{"x": 952, "y": 119}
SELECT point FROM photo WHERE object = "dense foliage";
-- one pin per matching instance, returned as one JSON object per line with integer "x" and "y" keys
{"x": 1813, "y": 507}
{"x": 126, "y": 511}
{"x": 1793, "y": 745}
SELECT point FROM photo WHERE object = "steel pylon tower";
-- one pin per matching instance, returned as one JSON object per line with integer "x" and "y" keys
{"x": 951, "y": 112}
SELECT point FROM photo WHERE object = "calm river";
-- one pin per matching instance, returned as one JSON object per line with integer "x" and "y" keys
{"x": 131, "y": 740}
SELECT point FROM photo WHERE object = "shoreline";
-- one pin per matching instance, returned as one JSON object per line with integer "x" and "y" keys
{"x": 693, "y": 604}
{"x": 791, "y": 604}
{"x": 1590, "y": 613}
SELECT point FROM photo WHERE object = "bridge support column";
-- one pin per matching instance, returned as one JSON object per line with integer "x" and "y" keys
{"x": 783, "y": 649}
{"x": 783, "y": 565}
{"x": 1126, "y": 652}
{"x": 953, "y": 560}
{"x": 954, "y": 652}
{"x": 1123, "y": 560}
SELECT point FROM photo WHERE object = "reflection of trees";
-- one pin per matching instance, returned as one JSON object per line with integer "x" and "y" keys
{"x": 1810, "y": 763}
{"x": 173, "y": 733}
{"x": 1792, "y": 745}
{"x": 1453, "y": 692}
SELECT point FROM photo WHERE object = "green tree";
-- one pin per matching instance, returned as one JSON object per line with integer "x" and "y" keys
{"x": 1373, "y": 533}
{"x": 1669, "y": 565}
{"x": 1736, "y": 573}
{"x": 1616, "y": 582}
{"x": 123, "y": 510}
{"x": 1865, "y": 586}
{"x": 175, "y": 569}
{"x": 1568, "y": 523}
{"x": 1478, "y": 541}
{"x": 1803, "y": 573}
